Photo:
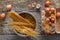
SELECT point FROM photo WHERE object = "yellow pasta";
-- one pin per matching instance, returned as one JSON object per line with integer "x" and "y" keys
{"x": 20, "y": 23}
{"x": 24, "y": 30}
{"x": 15, "y": 16}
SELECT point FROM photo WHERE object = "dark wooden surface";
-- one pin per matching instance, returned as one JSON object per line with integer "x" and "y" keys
{"x": 6, "y": 33}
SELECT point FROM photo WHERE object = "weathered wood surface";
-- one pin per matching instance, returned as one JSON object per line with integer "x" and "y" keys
{"x": 21, "y": 5}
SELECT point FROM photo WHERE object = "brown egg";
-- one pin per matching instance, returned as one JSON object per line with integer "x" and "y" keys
{"x": 9, "y": 7}
{"x": 2, "y": 15}
{"x": 52, "y": 19}
{"x": 47, "y": 19}
{"x": 52, "y": 9}
{"x": 47, "y": 9}
{"x": 47, "y": 3}
{"x": 58, "y": 14}
{"x": 30, "y": 6}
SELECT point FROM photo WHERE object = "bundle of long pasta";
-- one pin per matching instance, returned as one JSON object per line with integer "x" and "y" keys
{"x": 16, "y": 17}
{"x": 24, "y": 30}
{"x": 21, "y": 25}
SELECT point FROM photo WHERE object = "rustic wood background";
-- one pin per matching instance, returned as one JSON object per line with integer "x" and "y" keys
{"x": 21, "y": 5}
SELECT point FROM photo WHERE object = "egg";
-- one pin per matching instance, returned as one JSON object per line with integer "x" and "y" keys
{"x": 47, "y": 3}
{"x": 9, "y": 7}
{"x": 47, "y": 9}
{"x": 2, "y": 15}
{"x": 47, "y": 19}
{"x": 52, "y": 9}
{"x": 29, "y": 6}
{"x": 58, "y": 14}
{"x": 52, "y": 20}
